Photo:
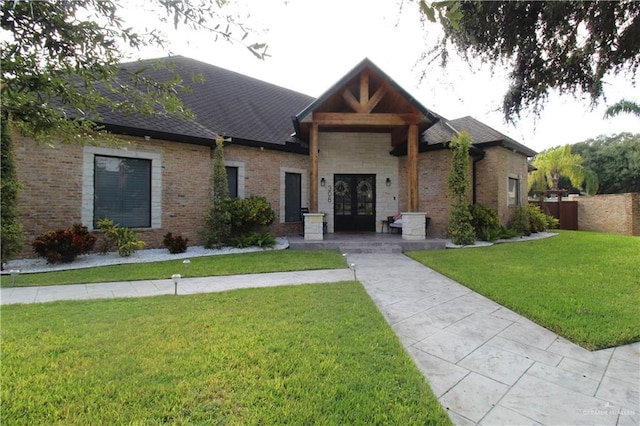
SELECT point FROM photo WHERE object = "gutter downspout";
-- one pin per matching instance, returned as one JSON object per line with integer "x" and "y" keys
{"x": 474, "y": 177}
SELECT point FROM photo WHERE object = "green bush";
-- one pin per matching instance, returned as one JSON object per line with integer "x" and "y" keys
{"x": 64, "y": 245}
{"x": 520, "y": 221}
{"x": 255, "y": 239}
{"x": 175, "y": 245}
{"x": 125, "y": 240}
{"x": 539, "y": 221}
{"x": 237, "y": 218}
{"x": 460, "y": 230}
{"x": 249, "y": 215}
{"x": 11, "y": 237}
{"x": 485, "y": 222}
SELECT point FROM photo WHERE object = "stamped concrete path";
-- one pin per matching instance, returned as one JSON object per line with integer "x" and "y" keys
{"x": 486, "y": 364}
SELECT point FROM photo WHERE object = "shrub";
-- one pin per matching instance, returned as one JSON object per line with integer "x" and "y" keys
{"x": 64, "y": 245}
{"x": 125, "y": 240}
{"x": 175, "y": 245}
{"x": 248, "y": 215}
{"x": 538, "y": 221}
{"x": 460, "y": 230}
{"x": 257, "y": 239}
{"x": 520, "y": 221}
{"x": 236, "y": 218}
{"x": 485, "y": 222}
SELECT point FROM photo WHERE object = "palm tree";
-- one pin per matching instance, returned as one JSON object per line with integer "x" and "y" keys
{"x": 623, "y": 106}
{"x": 556, "y": 162}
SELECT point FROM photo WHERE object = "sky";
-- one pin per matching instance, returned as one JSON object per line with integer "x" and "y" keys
{"x": 312, "y": 44}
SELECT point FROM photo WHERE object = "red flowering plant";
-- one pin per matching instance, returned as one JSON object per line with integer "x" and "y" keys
{"x": 64, "y": 245}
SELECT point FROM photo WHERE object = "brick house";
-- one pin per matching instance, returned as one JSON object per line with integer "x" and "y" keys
{"x": 364, "y": 150}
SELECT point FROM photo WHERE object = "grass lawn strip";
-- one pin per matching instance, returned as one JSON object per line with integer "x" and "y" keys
{"x": 582, "y": 285}
{"x": 284, "y": 355}
{"x": 231, "y": 264}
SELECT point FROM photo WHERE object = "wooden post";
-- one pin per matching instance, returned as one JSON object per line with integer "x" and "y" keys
{"x": 412, "y": 169}
{"x": 313, "y": 176}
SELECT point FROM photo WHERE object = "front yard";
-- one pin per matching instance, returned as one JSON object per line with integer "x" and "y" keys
{"x": 584, "y": 286}
{"x": 314, "y": 354}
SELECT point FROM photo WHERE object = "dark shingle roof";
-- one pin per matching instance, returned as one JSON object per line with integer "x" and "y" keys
{"x": 226, "y": 103}
{"x": 483, "y": 135}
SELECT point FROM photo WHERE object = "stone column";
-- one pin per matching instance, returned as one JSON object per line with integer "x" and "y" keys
{"x": 313, "y": 226}
{"x": 413, "y": 226}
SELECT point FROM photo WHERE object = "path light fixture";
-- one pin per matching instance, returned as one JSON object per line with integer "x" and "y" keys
{"x": 14, "y": 276}
{"x": 176, "y": 278}
{"x": 352, "y": 266}
{"x": 186, "y": 263}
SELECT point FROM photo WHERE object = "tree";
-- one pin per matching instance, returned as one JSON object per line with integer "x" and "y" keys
{"x": 461, "y": 231}
{"x": 11, "y": 231}
{"x": 624, "y": 106}
{"x": 570, "y": 46}
{"x": 218, "y": 220}
{"x": 615, "y": 159}
{"x": 60, "y": 62}
{"x": 556, "y": 162}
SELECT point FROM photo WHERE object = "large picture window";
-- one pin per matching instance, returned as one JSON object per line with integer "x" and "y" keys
{"x": 122, "y": 191}
{"x": 292, "y": 197}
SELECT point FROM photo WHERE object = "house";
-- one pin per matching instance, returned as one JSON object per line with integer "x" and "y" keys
{"x": 364, "y": 150}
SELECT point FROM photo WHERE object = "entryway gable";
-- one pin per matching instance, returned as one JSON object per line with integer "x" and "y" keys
{"x": 366, "y": 100}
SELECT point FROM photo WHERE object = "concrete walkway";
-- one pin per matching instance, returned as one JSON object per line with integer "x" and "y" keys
{"x": 486, "y": 364}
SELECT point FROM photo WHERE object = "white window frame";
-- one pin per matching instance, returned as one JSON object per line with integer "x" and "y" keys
{"x": 304, "y": 199}
{"x": 88, "y": 175}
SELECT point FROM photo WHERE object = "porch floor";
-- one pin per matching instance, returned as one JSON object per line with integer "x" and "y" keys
{"x": 365, "y": 242}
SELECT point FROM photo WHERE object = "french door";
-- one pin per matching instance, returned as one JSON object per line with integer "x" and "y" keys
{"x": 354, "y": 202}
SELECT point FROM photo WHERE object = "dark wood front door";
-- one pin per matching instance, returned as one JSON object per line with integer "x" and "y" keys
{"x": 354, "y": 202}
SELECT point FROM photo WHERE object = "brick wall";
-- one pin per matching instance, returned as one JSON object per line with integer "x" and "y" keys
{"x": 54, "y": 179}
{"x": 615, "y": 213}
{"x": 264, "y": 176}
{"x": 492, "y": 180}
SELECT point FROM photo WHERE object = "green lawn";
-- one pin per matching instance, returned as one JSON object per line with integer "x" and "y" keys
{"x": 244, "y": 263}
{"x": 314, "y": 354}
{"x": 584, "y": 286}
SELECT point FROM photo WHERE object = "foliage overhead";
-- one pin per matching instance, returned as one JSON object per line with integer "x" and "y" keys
{"x": 60, "y": 61}
{"x": 615, "y": 159}
{"x": 624, "y": 106}
{"x": 556, "y": 162}
{"x": 569, "y": 46}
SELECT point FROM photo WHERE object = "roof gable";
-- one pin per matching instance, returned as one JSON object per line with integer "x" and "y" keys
{"x": 366, "y": 89}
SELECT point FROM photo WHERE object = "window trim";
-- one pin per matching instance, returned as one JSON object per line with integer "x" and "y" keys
{"x": 88, "y": 175}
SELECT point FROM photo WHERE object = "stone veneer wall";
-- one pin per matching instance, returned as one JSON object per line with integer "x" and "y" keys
{"x": 615, "y": 213}
{"x": 358, "y": 153}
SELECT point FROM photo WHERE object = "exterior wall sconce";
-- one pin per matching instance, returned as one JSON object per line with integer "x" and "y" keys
{"x": 388, "y": 182}
{"x": 323, "y": 182}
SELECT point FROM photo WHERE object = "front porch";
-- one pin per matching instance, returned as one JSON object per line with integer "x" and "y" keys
{"x": 365, "y": 242}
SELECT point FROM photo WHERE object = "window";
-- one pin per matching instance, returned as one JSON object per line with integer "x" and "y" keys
{"x": 513, "y": 194}
{"x": 122, "y": 191}
{"x": 292, "y": 197}
{"x": 232, "y": 180}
